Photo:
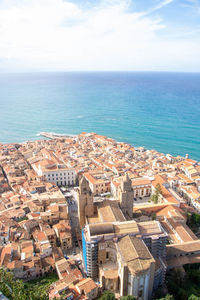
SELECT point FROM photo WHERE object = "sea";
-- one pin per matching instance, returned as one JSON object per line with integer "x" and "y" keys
{"x": 156, "y": 110}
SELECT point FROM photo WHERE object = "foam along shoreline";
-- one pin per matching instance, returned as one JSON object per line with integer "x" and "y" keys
{"x": 52, "y": 135}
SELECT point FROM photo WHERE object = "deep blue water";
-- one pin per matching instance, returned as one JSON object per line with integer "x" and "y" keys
{"x": 155, "y": 110}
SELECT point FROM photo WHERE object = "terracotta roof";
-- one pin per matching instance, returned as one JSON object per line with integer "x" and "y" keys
{"x": 109, "y": 211}
{"x": 135, "y": 254}
{"x": 165, "y": 193}
{"x": 86, "y": 285}
{"x": 140, "y": 181}
{"x": 187, "y": 247}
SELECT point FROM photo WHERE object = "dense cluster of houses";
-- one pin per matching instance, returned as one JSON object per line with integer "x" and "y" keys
{"x": 35, "y": 231}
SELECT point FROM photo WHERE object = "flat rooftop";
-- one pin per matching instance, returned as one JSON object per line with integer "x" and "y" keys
{"x": 109, "y": 211}
{"x": 109, "y": 230}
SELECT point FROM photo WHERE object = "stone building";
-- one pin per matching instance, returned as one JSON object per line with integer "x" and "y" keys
{"x": 109, "y": 247}
{"x": 53, "y": 172}
{"x": 126, "y": 196}
{"x": 141, "y": 187}
{"x": 64, "y": 235}
{"x": 116, "y": 255}
{"x": 85, "y": 202}
{"x": 136, "y": 268}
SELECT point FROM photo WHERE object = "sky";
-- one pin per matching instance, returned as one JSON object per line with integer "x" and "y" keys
{"x": 98, "y": 35}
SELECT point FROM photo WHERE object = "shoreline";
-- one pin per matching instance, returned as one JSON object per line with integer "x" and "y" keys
{"x": 53, "y": 135}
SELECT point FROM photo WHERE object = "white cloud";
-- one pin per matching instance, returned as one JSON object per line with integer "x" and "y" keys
{"x": 59, "y": 35}
{"x": 157, "y": 7}
{"x": 192, "y": 4}
{"x": 164, "y": 3}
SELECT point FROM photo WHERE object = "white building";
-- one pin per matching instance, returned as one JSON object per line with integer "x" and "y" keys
{"x": 141, "y": 187}
{"x": 53, "y": 172}
{"x": 45, "y": 249}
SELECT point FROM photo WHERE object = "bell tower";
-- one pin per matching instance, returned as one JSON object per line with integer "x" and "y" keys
{"x": 85, "y": 201}
{"x": 126, "y": 195}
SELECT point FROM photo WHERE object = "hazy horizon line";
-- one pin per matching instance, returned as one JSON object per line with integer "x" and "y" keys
{"x": 97, "y": 71}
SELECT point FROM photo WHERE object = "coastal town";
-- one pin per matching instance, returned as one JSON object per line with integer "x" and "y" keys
{"x": 100, "y": 214}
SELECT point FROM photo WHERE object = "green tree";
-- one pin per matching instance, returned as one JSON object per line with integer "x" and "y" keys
{"x": 193, "y": 297}
{"x": 129, "y": 297}
{"x": 157, "y": 193}
{"x": 159, "y": 189}
{"x": 193, "y": 221}
{"x": 181, "y": 294}
{"x": 196, "y": 219}
{"x": 167, "y": 297}
{"x": 18, "y": 290}
{"x": 107, "y": 295}
{"x": 153, "y": 216}
{"x": 11, "y": 288}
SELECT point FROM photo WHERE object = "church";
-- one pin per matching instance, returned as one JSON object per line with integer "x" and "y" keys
{"x": 126, "y": 257}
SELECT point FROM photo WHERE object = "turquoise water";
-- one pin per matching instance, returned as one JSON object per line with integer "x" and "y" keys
{"x": 155, "y": 110}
